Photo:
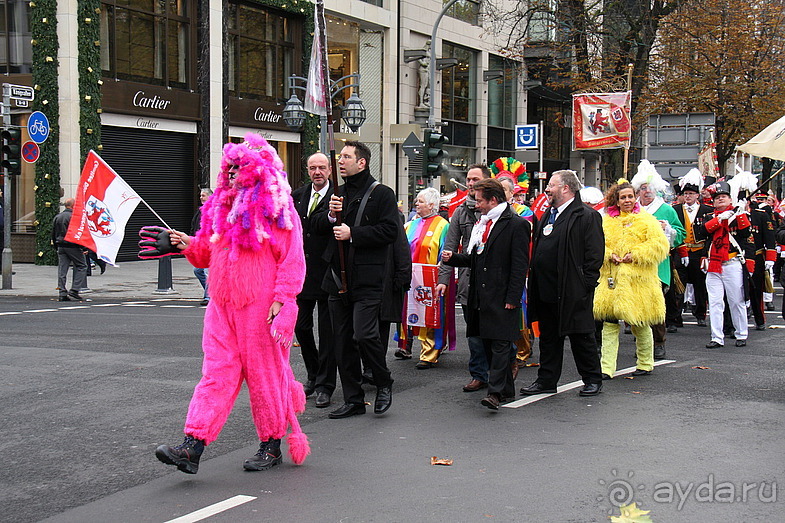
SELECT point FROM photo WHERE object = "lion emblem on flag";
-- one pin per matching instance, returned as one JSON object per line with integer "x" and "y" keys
{"x": 424, "y": 295}
{"x": 99, "y": 219}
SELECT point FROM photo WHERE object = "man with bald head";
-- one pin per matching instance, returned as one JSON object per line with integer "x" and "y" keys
{"x": 319, "y": 363}
{"x": 68, "y": 254}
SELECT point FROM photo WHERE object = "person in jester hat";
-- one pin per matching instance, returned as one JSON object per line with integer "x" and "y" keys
{"x": 251, "y": 240}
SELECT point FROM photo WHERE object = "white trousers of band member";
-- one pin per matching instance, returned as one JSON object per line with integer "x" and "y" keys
{"x": 729, "y": 283}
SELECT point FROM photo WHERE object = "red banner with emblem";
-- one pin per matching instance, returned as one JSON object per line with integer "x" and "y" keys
{"x": 601, "y": 120}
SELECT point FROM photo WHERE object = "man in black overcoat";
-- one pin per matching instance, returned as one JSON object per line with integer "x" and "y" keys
{"x": 568, "y": 251}
{"x": 320, "y": 363}
{"x": 364, "y": 237}
{"x": 498, "y": 254}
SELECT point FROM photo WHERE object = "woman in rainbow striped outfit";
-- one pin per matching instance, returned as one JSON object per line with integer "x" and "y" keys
{"x": 426, "y": 233}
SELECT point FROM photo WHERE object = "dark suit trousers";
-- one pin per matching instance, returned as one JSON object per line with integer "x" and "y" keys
{"x": 584, "y": 349}
{"x": 319, "y": 363}
{"x": 356, "y": 332}
{"x": 499, "y": 354}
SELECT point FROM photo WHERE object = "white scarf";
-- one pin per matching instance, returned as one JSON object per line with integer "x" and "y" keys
{"x": 479, "y": 227}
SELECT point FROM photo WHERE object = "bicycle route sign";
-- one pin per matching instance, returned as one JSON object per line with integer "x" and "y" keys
{"x": 38, "y": 127}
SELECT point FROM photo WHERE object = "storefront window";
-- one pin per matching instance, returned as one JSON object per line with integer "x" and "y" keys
{"x": 263, "y": 46}
{"x": 148, "y": 41}
{"x": 458, "y": 84}
{"x": 502, "y": 108}
{"x": 16, "y": 51}
{"x": 343, "y": 41}
{"x": 466, "y": 10}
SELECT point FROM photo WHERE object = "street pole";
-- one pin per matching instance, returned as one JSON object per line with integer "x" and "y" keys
{"x": 432, "y": 64}
{"x": 7, "y": 258}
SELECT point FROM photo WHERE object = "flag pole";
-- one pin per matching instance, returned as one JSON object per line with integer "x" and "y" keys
{"x": 156, "y": 214}
{"x": 629, "y": 138}
{"x": 320, "y": 22}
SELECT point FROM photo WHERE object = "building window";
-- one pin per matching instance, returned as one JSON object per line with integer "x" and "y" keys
{"x": 458, "y": 84}
{"x": 148, "y": 41}
{"x": 263, "y": 46}
{"x": 503, "y": 93}
{"x": 542, "y": 22}
{"x": 16, "y": 51}
{"x": 465, "y": 10}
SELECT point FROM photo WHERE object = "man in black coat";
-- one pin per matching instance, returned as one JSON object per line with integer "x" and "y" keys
{"x": 68, "y": 254}
{"x": 364, "y": 236}
{"x": 320, "y": 363}
{"x": 498, "y": 254}
{"x": 569, "y": 247}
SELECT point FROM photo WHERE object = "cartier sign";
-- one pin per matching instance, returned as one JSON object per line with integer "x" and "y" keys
{"x": 256, "y": 114}
{"x": 150, "y": 100}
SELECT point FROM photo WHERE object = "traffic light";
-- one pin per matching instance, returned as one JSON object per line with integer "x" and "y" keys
{"x": 12, "y": 157}
{"x": 433, "y": 154}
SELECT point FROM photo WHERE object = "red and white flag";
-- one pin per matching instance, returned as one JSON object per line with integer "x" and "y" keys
{"x": 456, "y": 201}
{"x": 422, "y": 307}
{"x": 539, "y": 205}
{"x": 315, "y": 101}
{"x": 601, "y": 120}
{"x": 104, "y": 202}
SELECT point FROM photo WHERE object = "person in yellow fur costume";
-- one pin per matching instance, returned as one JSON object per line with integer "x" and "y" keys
{"x": 629, "y": 287}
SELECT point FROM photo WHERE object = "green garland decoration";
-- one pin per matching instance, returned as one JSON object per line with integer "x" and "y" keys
{"x": 89, "y": 65}
{"x": 43, "y": 29}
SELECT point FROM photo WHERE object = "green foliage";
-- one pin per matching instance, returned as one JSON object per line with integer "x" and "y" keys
{"x": 89, "y": 65}
{"x": 43, "y": 29}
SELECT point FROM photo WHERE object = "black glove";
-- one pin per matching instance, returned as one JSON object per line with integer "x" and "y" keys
{"x": 155, "y": 242}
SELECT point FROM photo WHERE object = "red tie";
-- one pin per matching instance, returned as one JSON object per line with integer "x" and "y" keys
{"x": 487, "y": 231}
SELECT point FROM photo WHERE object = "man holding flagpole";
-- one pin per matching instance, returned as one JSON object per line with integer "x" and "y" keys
{"x": 68, "y": 254}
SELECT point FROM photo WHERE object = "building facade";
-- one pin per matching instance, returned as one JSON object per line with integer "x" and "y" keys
{"x": 157, "y": 88}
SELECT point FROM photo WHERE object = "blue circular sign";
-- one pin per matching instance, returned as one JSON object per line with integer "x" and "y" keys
{"x": 38, "y": 127}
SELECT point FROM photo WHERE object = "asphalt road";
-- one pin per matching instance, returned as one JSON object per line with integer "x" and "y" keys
{"x": 89, "y": 390}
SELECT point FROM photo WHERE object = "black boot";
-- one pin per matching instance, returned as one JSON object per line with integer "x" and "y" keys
{"x": 269, "y": 455}
{"x": 185, "y": 455}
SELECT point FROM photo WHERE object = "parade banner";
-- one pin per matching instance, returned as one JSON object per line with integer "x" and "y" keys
{"x": 315, "y": 102}
{"x": 422, "y": 308}
{"x": 601, "y": 120}
{"x": 707, "y": 161}
{"x": 539, "y": 205}
{"x": 456, "y": 201}
{"x": 104, "y": 202}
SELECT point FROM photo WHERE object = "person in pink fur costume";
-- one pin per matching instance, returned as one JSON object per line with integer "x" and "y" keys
{"x": 251, "y": 240}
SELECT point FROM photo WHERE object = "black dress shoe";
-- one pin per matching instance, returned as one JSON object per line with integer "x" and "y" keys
{"x": 671, "y": 329}
{"x": 537, "y": 388}
{"x": 659, "y": 352}
{"x": 322, "y": 400}
{"x": 741, "y": 343}
{"x": 641, "y": 372}
{"x": 761, "y": 327}
{"x": 63, "y": 298}
{"x": 714, "y": 345}
{"x": 590, "y": 389}
{"x": 425, "y": 365}
{"x": 701, "y": 322}
{"x": 383, "y": 399}
{"x": 606, "y": 376}
{"x": 346, "y": 410}
{"x": 309, "y": 388}
{"x": 491, "y": 401}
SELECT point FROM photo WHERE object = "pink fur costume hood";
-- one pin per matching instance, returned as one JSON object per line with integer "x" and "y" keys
{"x": 251, "y": 240}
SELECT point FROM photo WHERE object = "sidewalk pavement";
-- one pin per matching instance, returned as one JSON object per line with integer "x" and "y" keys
{"x": 129, "y": 280}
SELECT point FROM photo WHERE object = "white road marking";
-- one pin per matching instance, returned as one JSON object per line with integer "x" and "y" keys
{"x": 212, "y": 510}
{"x": 41, "y": 310}
{"x": 177, "y": 306}
{"x": 106, "y": 305}
{"x": 73, "y": 307}
{"x": 571, "y": 386}
{"x": 9, "y": 313}
{"x": 129, "y": 304}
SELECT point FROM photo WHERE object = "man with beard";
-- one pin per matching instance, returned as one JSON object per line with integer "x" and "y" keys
{"x": 568, "y": 251}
